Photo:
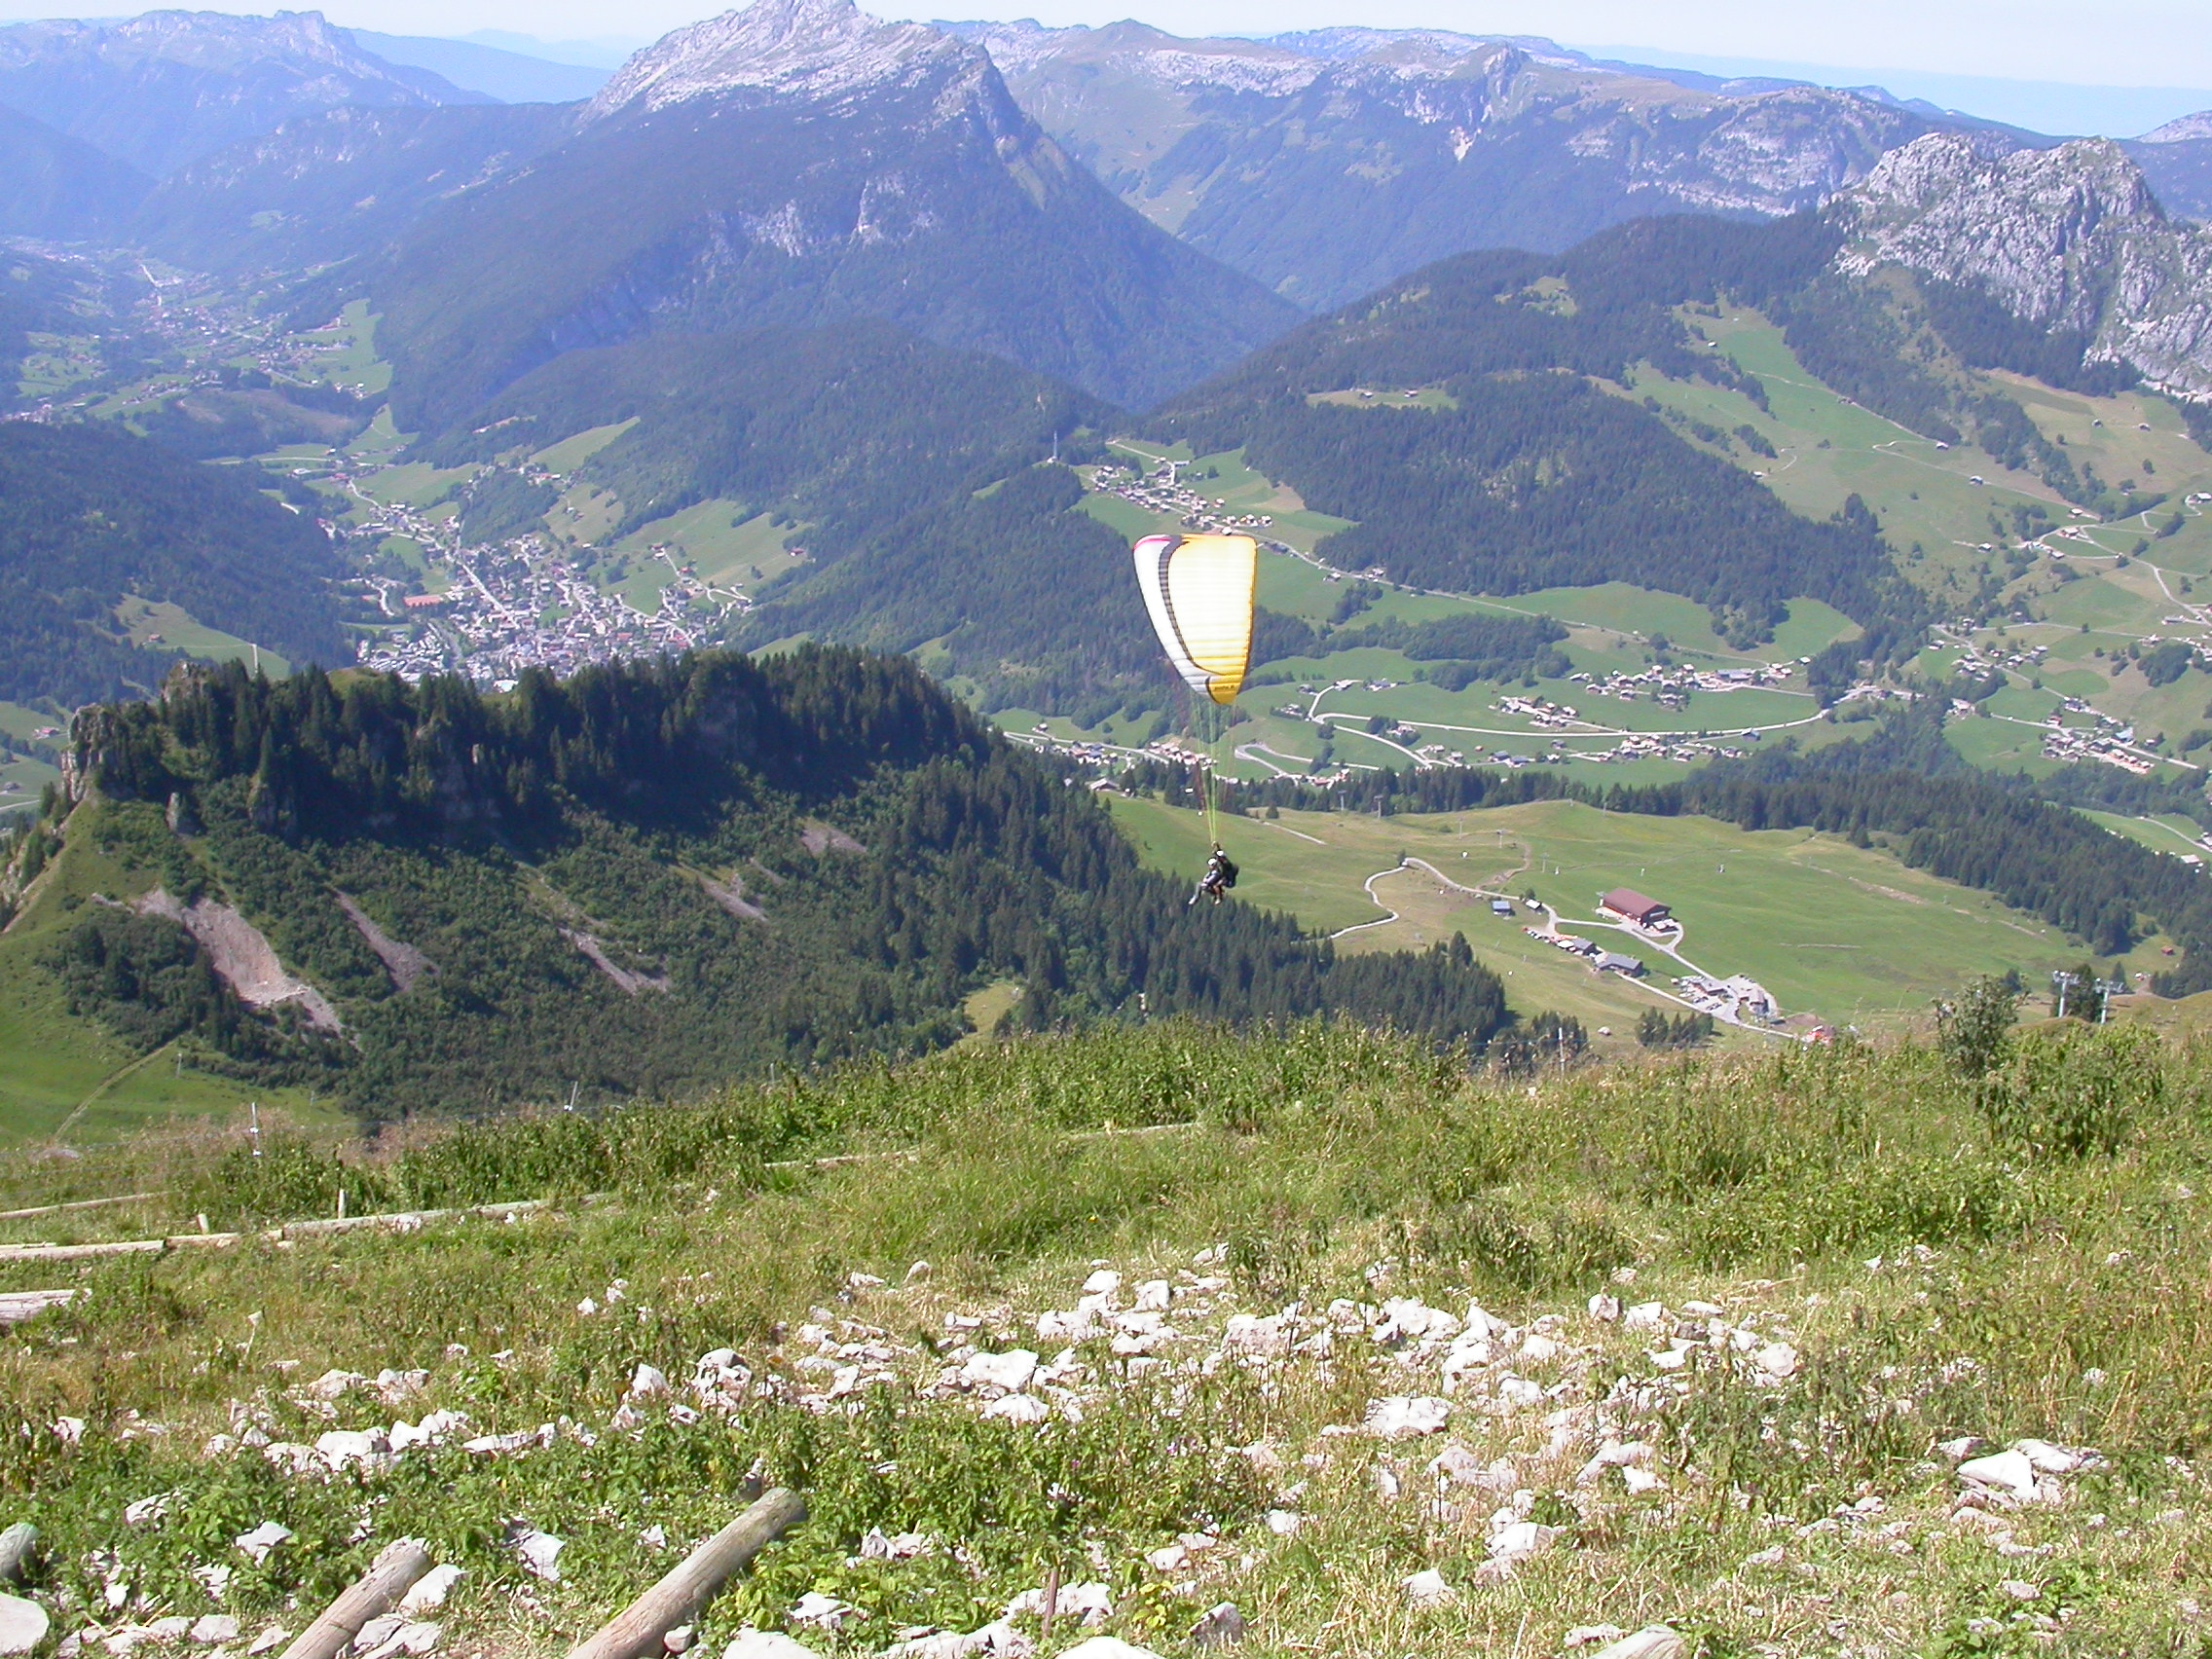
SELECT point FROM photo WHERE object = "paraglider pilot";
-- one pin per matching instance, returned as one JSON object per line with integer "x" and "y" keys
{"x": 1219, "y": 878}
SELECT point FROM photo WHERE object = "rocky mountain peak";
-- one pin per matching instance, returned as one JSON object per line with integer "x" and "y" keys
{"x": 2070, "y": 238}
{"x": 2186, "y": 130}
{"x": 199, "y": 40}
{"x": 805, "y": 50}
{"x": 2042, "y": 230}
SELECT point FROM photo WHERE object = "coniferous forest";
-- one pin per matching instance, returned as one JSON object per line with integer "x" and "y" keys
{"x": 649, "y": 878}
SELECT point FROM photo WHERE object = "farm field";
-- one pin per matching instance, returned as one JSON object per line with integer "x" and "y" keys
{"x": 1613, "y": 628}
{"x": 732, "y": 546}
{"x": 180, "y": 631}
{"x": 1847, "y": 934}
{"x": 1829, "y": 448}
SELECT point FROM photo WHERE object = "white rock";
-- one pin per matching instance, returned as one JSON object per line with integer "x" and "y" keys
{"x": 1776, "y": 1361}
{"x": 766, "y": 1644}
{"x": 393, "y": 1386}
{"x": 824, "y": 1612}
{"x": 270, "y": 1639}
{"x": 1218, "y": 1626}
{"x": 1703, "y": 1309}
{"x": 24, "y": 1624}
{"x": 587, "y": 1307}
{"x": 1961, "y": 1449}
{"x": 146, "y": 1509}
{"x": 1645, "y": 1316}
{"x": 1652, "y": 1642}
{"x": 1153, "y": 1295}
{"x": 1091, "y": 1604}
{"x": 431, "y": 1588}
{"x": 1480, "y": 1323}
{"x": 1522, "y": 1539}
{"x": 1108, "y": 1647}
{"x": 1283, "y": 1522}
{"x": 2020, "y": 1590}
{"x": 1456, "y": 1465}
{"x": 2006, "y": 1472}
{"x": 213, "y": 1630}
{"x": 1518, "y": 1394}
{"x": 1399, "y": 1416}
{"x": 1428, "y": 1589}
{"x": 1604, "y": 1309}
{"x": 1254, "y": 1333}
{"x": 540, "y": 1553}
{"x": 341, "y": 1448}
{"x": 378, "y": 1631}
{"x": 262, "y": 1540}
{"x": 414, "y": 1636}
{"x": 1008, "y": 1372}
{"x": 1104, "y": 1282}
{"x": 1641, "y": 1481}
{"x": 1025, "y": 1410}
{"x": 678, "y": 1640}
{"x": 1537, "y": 1349}
{"x": 2050, "y": 1460}
{"x": 647, "y": 1380}
{"x": 1582, "y": 1636}
{"x": 1062, "y": 1326}
{"x": 1407, "y": 1316}
{"x": 1168, "y": 1557}
{"x": 332, "y": 1384}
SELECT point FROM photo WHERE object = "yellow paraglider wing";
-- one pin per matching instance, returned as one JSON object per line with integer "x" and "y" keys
{"x": 1199, "y": 591}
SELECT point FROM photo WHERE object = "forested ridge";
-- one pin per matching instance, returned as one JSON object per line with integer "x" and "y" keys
{"x": 1536, "y": 476}
{"x": 89, "y": 515}
{"x": 650, "y": 878}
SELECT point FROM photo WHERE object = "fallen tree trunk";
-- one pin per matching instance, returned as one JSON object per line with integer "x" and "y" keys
{"x": 636, "y": 1631}
{"x": 391, "y": 1576}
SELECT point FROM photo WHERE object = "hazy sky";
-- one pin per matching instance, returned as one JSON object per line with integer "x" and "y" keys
{"x": 2129, "y": 43}
{"x": 2156, "y": 43}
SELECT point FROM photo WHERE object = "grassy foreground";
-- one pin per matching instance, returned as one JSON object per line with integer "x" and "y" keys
{"x": 1734, "y": 1322}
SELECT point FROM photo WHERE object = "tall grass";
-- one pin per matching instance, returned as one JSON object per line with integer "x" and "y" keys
{"x": 2041, "y": 1271}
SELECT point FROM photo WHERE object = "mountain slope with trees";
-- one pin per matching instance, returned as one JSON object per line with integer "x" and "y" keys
{"x": 89, "y": 516}
{"x": 795, "y": 164}
{"x": 1537, "y": 476}
{"x": 646, "y": 879}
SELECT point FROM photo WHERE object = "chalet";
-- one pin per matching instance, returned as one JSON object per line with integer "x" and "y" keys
{"x": 1632, "y": 906}
{"x": 1501, "y": 907}
{"x": 1613, "y": 962}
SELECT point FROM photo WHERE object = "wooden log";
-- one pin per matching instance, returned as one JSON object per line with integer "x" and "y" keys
{"x": 80, "y": 1252}
{"x": 389, "y": 1576}
{"x": 636, "y": 1631}
{"x": 16, "y": 1306}
{"x": 76, "y": 1204}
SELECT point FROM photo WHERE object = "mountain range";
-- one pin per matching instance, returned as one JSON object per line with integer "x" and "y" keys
{"x": 1327, "y": 164}
{"x": 167, "y": 88}
{"x": 785, "y": 165}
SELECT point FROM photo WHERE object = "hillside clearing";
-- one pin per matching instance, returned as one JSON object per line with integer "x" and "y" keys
{"x": 1845, "y": 933}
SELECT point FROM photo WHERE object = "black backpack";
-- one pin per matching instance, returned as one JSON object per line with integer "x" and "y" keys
{"x": 1227, "y": 869}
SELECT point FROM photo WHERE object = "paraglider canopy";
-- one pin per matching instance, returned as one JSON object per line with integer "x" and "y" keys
{"x": 1198, "y": 590}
